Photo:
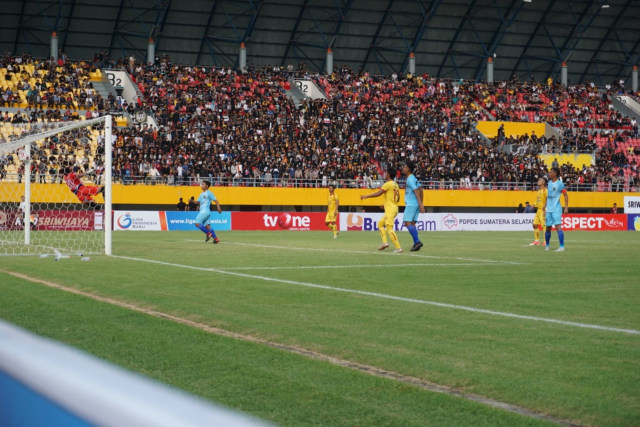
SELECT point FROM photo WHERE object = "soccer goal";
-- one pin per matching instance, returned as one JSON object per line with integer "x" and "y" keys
{"x": 55, "y": 188}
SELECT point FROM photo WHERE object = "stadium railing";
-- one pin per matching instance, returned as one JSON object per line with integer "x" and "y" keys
{"x": 339, "y": 183}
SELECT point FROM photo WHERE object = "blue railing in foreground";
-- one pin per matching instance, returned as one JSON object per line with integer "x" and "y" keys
{"x": 43, "y": 382}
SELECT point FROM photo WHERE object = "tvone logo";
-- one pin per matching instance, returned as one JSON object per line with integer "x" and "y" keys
{"x": 287, "y": 221}
{"x": 354, "y": 222}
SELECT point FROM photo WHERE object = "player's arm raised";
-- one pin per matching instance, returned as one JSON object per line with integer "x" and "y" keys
{"x": 380, "y": 192}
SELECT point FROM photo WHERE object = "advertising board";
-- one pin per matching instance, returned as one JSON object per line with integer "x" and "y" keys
{"x": 184, "y": 221}
{"x": 592, "y": 222}
{"x": 442, "y": 222}
{"x": 369, "y": 222}
{"x": 632, "y": 204}
{"x": 633, "y": 222}
{"x": 293, "y": 221}
{"x": 138, "y": 220}
{"x": 307, "y": 221}
{"x": 54, "y": 220}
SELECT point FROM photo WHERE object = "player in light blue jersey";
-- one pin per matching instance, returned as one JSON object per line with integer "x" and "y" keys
{"x": 553, "y": 208}
{"x": 413, "y": 204}
{"x": 202, "y": 220}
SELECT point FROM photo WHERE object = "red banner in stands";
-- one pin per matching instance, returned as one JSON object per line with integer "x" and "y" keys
{"x": 590, "y": 222}
{"x": 58, "y": 220}
{"x": 303, "y": 221}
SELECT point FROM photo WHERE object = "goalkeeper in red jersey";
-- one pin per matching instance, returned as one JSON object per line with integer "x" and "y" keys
{"x": 84, "y": 193}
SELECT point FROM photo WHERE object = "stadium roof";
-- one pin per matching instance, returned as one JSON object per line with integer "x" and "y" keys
{"x": 598, "y": 39}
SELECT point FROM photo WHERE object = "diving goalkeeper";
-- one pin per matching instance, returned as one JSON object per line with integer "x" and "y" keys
{"x": 84, "y": 193}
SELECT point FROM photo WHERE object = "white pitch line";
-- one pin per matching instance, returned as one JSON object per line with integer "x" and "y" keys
{"x": 489, "y": 261}
{"x": 391, "y": 297}
{"x": 313, "y": 267}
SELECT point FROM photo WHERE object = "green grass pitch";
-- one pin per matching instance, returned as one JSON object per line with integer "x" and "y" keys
{"x": 480, "y": 313}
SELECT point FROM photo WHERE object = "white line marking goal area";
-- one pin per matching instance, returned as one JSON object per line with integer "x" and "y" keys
{"x": 389, "y": 297}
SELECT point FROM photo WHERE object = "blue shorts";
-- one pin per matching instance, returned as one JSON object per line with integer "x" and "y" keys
{"x": 553, "y": 218}
{"x": 410, "y": 214}
{"x": 203, "y": 218}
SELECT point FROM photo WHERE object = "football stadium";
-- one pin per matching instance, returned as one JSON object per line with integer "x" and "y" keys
{"x": 314, "y": 212}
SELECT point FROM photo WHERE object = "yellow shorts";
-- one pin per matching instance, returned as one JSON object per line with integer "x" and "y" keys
{"x": 388, "y": 219}
{"x": 330, "y": 218}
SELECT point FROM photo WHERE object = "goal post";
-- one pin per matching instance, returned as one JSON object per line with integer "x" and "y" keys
{"x": 108, "y": 194}
{"x": 55, "y": 188}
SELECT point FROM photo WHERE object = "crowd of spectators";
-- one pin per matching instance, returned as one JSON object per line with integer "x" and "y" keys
{"x": 48, "y": 85}
{"x": 241, "y": 128}
{"x": 574, "y": 106}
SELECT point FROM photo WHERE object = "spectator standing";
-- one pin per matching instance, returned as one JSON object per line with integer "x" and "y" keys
{"x": 193, "y": 206}
{"x": 528, "y": 208}
{"x": 181, "y": 206}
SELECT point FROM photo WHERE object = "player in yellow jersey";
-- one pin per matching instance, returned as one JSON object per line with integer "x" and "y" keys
{"x": 332, "y": 211}
{"x": 538, "y": 221}
{"x": 391, "y": 193}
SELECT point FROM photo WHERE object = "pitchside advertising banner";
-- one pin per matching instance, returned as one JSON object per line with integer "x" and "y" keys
{"x": 165, "y": 220}
{"x": 591, "y": 222}
{"x": 54, "y": 220}
{"x": 313, "y": 221}
{"x": 442, "y": 222}
{"x": 293, "y": 221}
{"x": 631, "y": 205}
{"x": 174, "y": 220}
{"x": 633, "y": 222}
{"x": 186, "y": 220}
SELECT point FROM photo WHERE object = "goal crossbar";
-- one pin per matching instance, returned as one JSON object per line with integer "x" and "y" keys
{"x": 18, "y": 143}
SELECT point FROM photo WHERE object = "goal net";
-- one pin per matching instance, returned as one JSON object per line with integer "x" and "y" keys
{"x": 55, "y": 188}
